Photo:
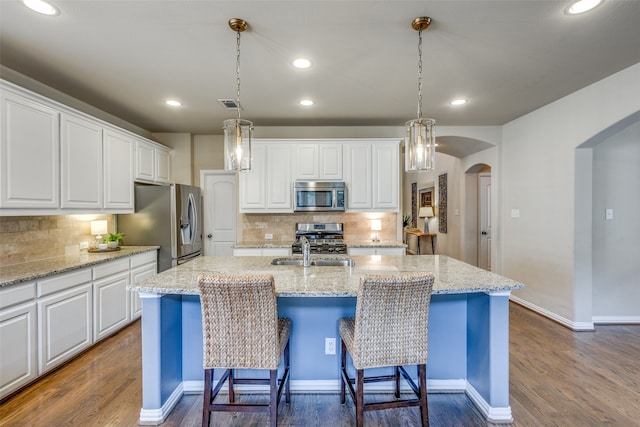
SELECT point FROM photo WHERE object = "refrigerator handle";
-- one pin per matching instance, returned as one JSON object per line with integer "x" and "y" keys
{"x": 193, "y": 213}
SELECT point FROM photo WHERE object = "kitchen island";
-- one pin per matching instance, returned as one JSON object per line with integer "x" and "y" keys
{"x": 468, "y": 326}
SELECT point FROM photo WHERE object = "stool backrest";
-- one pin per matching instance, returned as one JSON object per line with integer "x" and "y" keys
{"x": 239, "y": 321}
{"x": 392, "y": 319}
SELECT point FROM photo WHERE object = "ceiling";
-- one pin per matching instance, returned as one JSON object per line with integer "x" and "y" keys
{"x": 507, "y": 57}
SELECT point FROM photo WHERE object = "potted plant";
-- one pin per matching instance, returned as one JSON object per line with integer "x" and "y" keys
{"x": 406, "y": 220}
{"x": 113, "y": 240}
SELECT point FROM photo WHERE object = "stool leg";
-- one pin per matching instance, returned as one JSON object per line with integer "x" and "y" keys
{"x": 343, "y": 362}
{"x": 360, "y": 399}
{"x": 232, "y": 394}
{"x": 273, "y": 397}
{"x": 397, "y": 391}
{"x": 206, "y": 401}
{"x": 424, "y": 407}
{"x": 287, "y": 387}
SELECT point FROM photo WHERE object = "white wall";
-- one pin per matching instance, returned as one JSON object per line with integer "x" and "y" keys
{"x": 181, "y": 156}
{"x": 208, "y": 154}
{"x": 616, "y": 242}
{"x": 538, "y": 159}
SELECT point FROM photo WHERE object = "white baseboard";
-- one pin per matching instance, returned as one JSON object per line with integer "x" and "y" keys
{"x": 494, "y": 415}
{"x": 153, "y": 417}
{"x": 616, "y": 320}
{"x": 575, "y": 326}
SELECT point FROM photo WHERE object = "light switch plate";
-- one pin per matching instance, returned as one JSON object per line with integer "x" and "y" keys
{"x": 515, "y": 213}
{"x": 608, "y": 213}
{"x": 268, "y": 236}
{"x": 84, "y": 245}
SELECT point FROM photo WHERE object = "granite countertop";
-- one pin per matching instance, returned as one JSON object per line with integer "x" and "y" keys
{"x": 451, "y": 276}
{"x": 350, "y": 244}
{"x": 262, "y": 245}
{"x": 32, "y": 270}
{"x": 371, "y": 244}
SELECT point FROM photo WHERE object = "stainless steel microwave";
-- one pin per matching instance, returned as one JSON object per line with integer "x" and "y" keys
{"x": 319, "y": 196}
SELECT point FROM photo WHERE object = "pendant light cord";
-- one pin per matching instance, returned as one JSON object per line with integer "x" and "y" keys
{"x": 238, "y": 73}
{"x": 419, "y": 75}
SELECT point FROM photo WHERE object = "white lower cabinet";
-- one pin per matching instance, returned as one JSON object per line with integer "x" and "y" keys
{"x": 65, "y": 318}
{"x": 143, "y": 266}
{"x": 110, "y": 297}
{"x": 376, "y": 251}
{"x": 18, "y": 338}
{"x": 261, "y": 251}
{"x": 45, "y": 323}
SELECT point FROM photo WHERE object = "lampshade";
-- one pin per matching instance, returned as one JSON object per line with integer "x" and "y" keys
{"x": 420, "y": 146}
{"x": 425, "y": 212}
{"x": 376, "y": 225}
{"x": 237, "y": 132}
{"x": 99, "y": 227}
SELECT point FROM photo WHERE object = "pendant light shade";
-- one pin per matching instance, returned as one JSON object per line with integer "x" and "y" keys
{"x": 237, "y": 132}
{"x": 420, "y": 145}
{"x": 237, "y": 144}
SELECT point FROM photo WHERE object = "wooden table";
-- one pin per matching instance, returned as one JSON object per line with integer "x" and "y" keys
{"x": 420, "y": 234}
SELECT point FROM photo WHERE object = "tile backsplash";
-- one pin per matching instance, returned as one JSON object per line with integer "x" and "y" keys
{"x": 30, "y": 238}
{"x": 357, "y": 226}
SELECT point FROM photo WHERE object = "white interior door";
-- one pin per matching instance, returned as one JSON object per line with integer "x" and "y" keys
{"x": 219, "y": 211}
{"x": 484, "y": 221}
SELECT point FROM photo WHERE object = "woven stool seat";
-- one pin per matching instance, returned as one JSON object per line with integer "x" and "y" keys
{"x": 390, "y": 330}
{"x": 241, "y": 330}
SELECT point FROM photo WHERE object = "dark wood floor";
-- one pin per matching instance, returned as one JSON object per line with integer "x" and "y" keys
{"x": 558, "y": 378}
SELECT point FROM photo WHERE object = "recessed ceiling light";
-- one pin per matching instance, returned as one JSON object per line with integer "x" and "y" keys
{"x": 42, "y": 7}
{"x": 581, "y": 6}
{"x": 301, "y": 63}
{"x": 173, "y": 103}
{"x": 306, "y": 102}
{"x": 458, "y": 102}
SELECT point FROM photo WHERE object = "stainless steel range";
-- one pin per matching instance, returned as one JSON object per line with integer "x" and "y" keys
{"x": 323, "y": 238}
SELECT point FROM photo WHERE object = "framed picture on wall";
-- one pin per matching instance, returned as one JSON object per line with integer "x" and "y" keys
{"x": 425, "y": 197}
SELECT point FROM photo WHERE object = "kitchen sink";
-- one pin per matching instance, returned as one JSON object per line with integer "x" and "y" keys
{"x": 319, "y": 262}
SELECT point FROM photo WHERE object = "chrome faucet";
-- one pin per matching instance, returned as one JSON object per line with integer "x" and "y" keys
{"x": 306, "y": 251}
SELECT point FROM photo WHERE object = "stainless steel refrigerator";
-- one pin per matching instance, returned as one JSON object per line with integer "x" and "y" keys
{"x": 169, "y": 216}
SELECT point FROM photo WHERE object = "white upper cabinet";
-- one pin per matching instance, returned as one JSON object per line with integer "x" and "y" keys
{"x": 321, "y": 161}
{"x": 152, "y": 162}
{"x": 267, "y": 187}
{"x": 81, "y": 163}
{"x": 29, "y": 153}
{"x": 372, "y": 175}
{"x": 278, "y": 177}
{"x": 358, "y": 175}
{"x": 386, "y": 176}
{"x": 56, "y": 160}
{"x": 118, "y": 171}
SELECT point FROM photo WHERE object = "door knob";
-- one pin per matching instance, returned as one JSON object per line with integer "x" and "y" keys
{"x": 209, "y": 235}
{"x": 484, "y": 233}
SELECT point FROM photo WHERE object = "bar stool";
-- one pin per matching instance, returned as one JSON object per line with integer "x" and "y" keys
{"x": 390, "y": 330}
{"x": 241, "y": 330}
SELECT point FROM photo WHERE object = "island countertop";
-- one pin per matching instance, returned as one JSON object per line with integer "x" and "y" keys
{"x": 451, "y": 276}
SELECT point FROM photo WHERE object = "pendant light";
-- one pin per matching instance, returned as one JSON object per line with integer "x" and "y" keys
{"x": 421, "y": 137}
{"x": 237, "y": 132}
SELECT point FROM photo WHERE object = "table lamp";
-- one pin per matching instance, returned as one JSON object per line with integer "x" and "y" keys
{"x": 376, "y": 225}
{"x": 98, "y": 228}
{"x": 426, "y": 212}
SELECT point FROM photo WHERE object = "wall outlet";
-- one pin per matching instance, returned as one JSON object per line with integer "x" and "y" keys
{"x": 515, "y": 213}
{"x": 329, "y": 346}
{"x": 84, "y": 245}
{"x": 268, "y": 236}
{"x": 608, "y": 213}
